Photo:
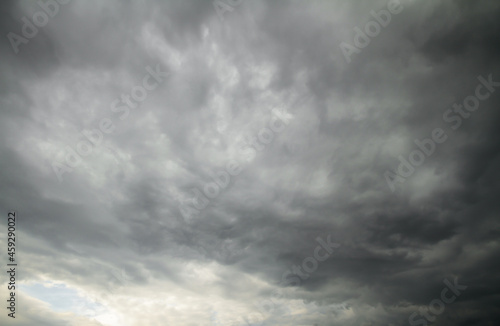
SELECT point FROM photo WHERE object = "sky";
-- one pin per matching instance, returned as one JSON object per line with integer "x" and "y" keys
{"x": 249, "y": 162}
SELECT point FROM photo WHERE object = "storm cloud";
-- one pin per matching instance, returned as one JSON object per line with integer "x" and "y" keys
{"x": 189, "y": 162}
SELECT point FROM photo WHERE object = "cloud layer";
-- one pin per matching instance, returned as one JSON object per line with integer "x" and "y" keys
{"x": 257, "y": 138}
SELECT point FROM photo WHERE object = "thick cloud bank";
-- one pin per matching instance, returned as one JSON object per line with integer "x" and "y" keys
{"x": 186, "y": 162}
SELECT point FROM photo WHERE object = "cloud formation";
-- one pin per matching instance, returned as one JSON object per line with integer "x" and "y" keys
{"x": 121, "y": 230}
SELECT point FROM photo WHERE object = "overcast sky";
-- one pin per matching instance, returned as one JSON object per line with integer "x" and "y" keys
{"x": 177, "y": 162}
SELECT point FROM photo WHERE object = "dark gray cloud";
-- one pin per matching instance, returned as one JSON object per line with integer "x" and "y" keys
{"x": 125, "y": 230}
